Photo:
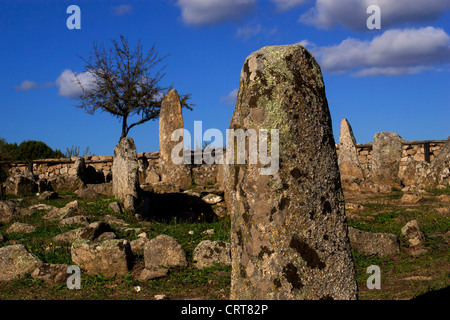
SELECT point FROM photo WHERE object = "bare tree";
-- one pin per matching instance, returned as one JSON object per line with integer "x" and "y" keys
{"x": 125, "y": 83}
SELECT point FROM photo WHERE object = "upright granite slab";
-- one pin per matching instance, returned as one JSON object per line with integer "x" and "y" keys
{"x": 289, "y": 237}
{"x": 171, "y": 119}
{"x": 125, "y": 183}
{"x": 349, "y": 165}
{"x": 386, "y": 158}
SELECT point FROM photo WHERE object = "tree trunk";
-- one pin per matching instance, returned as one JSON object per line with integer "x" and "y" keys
{"x": 124, "y": 127}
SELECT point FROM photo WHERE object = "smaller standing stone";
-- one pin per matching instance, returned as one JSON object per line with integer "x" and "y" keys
{"x": 349, "y": 165}
{"x": 125, "y": 173}
{"x": 171, "y": 119}
{"x": 386, "y": 158}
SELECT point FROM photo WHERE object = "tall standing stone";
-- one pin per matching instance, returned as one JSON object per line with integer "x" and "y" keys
{"x": 289, "y": 237}
{"x": 349, "y": 165}
{"x": 125, "y": 167}
{"x": 386, "y": 158}
{"x": 171, "y": 119}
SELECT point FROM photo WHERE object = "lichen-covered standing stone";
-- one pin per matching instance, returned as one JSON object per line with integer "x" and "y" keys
{"x": 125, "y": 183}
{"x": 171, "y": 119}
{"x": 386, "y": 157}
{"x": 349, "y": 165}
{"x": 289, "y": 237}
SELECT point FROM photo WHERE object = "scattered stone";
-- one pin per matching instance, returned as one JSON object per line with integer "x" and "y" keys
{"x": 101, "y": 188}
{"x": 212, "y": 199}
{"x": 160, "y": 297}
{"x": 114, "y": 220}
{"x": 164, "y": 187}
{"x": 75, "y": 220}
{"x": 115, "y": 207}
{"x": 208, "y": 253}
{"x": 41, "y": 206}
{"x": 412, "y": 232}
{"x": 21, "y": 183}
{"x": 52, "y": 273}
{"x": 106, "y": 236}
{"x": 15, "y": 261}
{"x": 444, "y": 198}
{"x": 64, "y": 183}
{"x": 146, "y": 274}
{"x": 125, "y": 172}
{"x": 209, "y": 231}
{"x": 19, "y": 227}
{"x": 381, "y": 244}
{"x": 70, "y": 209}
{"x": 68, "y": 236}
{"x": 151, "y": 176}
{"x": 87, "y": 193}
{"x": 193, "y": 193}
{"x": 171, "y": 119}
{"x": 48, "y": 195}
{"x": 108, "y": 258}
{"x": 138, "y": 245}
{"x": 163, "y": 251}
{"x": 418, "y": 278}
{"x": 411, "y": 198}
{"x": 7, "y": 213}
{"x": 289, "y": 232}
{"x": 93, "y": 230}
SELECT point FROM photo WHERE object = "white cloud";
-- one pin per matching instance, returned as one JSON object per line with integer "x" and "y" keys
{"x": 208, "y": 12}
{"x": 352, "y": 13}
{"x": 122, "y": 9}
{"x": 283, "y": 5}
{"x": 68, "y": 85}
{"x": 249, "y": 31}
{"x": 26, "y": 86}
{"x": 395, "y": 52}
{"x": 230, "y": 99}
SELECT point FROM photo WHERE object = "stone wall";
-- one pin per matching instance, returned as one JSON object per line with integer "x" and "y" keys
{"x": 149, "y": 167}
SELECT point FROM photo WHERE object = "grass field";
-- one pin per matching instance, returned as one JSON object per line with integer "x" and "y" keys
{"x": 402, "y": 277}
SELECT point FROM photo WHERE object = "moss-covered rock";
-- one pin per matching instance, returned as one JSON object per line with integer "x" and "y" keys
{"x": 289, "y": 237}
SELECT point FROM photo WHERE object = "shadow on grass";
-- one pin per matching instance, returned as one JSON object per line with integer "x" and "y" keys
{"x": 167, "y": 206}
{"x": 440, "y": 294}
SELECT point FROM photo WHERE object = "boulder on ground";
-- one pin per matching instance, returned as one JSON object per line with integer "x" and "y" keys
{"x": 52, "y": 273}
{"x": 7, "y": 213}
{"x": 413, "y": 233}
{"x": 16, "y": 261}
{"x": 163, "y": 251}
{"x": 208, "y": 253}
{"x": 108, "y": 258}
{"x": 21, "y": 183}
{"x": 381, "y": 244}
{"x": 19, "y": 227}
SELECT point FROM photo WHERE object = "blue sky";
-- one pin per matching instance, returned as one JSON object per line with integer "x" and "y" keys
{"x": 395, "y": 79}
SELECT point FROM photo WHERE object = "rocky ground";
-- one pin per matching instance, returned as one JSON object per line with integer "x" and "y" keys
{"x": 40, "y": 236}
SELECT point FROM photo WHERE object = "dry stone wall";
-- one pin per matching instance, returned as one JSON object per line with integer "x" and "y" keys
{"x": 99, "y": 168}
